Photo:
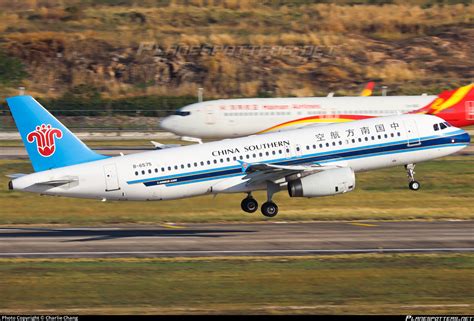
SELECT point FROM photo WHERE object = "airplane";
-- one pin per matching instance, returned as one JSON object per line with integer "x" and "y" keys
{"x": 368, "y": 89}
{"x": 227, "y": 118}
{"x": 308, "y": 162}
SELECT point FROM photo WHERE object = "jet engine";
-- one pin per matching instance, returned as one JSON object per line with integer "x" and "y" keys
{"x": 324, "y": 183}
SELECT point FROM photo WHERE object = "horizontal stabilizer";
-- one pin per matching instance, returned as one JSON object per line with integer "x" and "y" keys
{"x": 17, "y": 175}
{"x": 57, "y": 182}
{"x": 164, "y": 146}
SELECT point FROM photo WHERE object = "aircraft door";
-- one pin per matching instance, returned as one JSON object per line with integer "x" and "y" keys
{"x": 111, "y": 178}
{"x": 470, "y": 110}
{"x": 413, "y": 136}
{"x": 210, "y": 115}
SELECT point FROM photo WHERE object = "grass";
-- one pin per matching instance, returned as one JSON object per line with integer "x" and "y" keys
{"x": 446, "y": 193}
{"x": 356, "y": 284}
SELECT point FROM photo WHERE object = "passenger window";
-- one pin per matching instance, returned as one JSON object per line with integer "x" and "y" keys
{"x": 143, "y": 172}
{"x": 208, "y": 162}
{"x": 215, "y": 161}
{"x": 182, "y": 165}
{"x": 175, "y": 166}
{"x": 136, "y": 173}
{"x": 156, "y": 170}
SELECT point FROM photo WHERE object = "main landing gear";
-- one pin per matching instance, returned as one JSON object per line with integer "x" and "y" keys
{"x": 249, "y": 204}
{"x": 413, "y": 184}
{"x": 269, "y": 209}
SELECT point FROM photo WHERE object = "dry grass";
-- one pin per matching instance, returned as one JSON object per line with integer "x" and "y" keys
{"x": 355, "y": 31}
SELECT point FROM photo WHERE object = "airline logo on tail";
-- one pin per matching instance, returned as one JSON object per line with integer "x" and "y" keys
{"x": 447, "y": 99}
{"x": 44, "y": 136}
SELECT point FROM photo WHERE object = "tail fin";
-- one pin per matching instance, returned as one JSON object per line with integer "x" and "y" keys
{"x": 48, "y": 142}
{"x": 368, "y": 90}
{"x": 455, "y": 106}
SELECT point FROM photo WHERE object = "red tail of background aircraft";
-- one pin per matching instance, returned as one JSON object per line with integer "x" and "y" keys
{"x": 454, "y": 106}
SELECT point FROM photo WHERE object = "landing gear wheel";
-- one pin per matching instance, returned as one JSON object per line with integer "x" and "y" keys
{"x": 414, "y": 185}
{"x": 269, "y": 209}
{"x": 249, "y": 205}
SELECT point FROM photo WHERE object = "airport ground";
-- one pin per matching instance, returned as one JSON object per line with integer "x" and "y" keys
{"x": 382, "y": 282}
{"x": 353, "y": 284}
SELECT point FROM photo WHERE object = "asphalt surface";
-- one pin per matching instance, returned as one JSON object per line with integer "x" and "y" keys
{"x": 240, "y": 239}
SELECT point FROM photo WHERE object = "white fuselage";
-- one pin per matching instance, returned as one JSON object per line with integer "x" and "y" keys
{"x": 227, "y": 118}
{"x": 216, "y": 167}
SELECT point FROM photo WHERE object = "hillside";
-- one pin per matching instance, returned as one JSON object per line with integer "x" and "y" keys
{"x": 232, "y": 48}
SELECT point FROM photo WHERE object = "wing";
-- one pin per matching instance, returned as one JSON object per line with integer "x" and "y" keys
{"x": 261, "y": 172}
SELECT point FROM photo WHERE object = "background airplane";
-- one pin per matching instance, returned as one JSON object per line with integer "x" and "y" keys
{"x": 308, "y": 162}
{"x": 240, "y": 117}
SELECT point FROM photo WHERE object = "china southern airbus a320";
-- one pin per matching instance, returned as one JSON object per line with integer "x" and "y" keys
{"x": 308, "y": 162}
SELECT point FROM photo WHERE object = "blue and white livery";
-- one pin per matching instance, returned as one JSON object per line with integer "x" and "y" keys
{"x": 308, "y": 162}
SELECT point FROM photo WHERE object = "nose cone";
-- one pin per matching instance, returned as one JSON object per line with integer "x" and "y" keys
{"x": 167, "y": 123}
{"x": 464, "y": 138}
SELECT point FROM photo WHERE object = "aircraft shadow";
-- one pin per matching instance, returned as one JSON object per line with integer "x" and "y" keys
{"x": 86, "y": 235}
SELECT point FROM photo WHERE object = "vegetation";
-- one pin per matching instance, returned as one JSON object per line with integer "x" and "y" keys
{"x": 355, "y": 284}
{"x": 446, "y": 193}
{"x": 12, "y": 71}
{"x": 140, "y": 48}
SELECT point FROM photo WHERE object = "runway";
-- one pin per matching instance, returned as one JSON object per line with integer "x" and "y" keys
{"x": 197, "y": 240}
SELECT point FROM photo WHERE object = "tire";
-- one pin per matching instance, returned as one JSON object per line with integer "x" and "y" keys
{"x": 414, "y": 185}
{"x": 249, "y": 205}
{"x": 269, "y": 209}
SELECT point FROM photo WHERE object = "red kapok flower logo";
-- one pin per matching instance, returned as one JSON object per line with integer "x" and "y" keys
{"x": 45, "y": 139}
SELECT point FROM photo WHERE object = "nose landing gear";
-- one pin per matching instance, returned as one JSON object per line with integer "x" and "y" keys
{"x": 413, "y": 184}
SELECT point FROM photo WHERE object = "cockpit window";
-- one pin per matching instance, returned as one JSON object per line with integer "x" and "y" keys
{"x": 436, "y": 127}
{"x": 182, "y": 113}
{"x": 443, "y": 126}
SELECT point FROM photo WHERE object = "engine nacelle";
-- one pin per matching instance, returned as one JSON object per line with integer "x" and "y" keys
{"x": 325, "y": 183}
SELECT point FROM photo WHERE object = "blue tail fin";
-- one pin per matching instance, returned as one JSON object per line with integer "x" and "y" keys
{"x": 48, "y": 143}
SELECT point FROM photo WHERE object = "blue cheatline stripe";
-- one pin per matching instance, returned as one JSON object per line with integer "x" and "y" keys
{"x": 324, "y": 157}
{"x": 327, "y": 161}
